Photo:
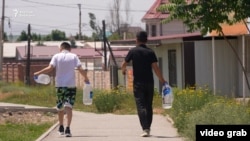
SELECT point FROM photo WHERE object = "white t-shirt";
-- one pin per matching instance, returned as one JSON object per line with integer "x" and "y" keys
{"x": 65, "y": 63}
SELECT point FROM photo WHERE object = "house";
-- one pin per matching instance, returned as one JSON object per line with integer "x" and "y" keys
{"x": 91, "y": 55}
{"x": 190, "y": 59}
{"x": 129, "y": 32}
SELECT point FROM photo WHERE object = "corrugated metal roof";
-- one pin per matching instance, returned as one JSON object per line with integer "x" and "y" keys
{"x": 152, "y": 13}
{"x": 9, "y": 49}
{"x": 231, "y": 30}
{"x": 46, "y": 52}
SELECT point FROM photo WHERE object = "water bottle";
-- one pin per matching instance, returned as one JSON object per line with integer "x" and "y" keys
{"x": 42, "y": 79}
{"x": 167, "y": 96}
{"x": 87, "y": 94}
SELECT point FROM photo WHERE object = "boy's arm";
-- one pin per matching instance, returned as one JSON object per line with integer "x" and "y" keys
{"x": 158, "y": 72}
{"x": 123, "y": 67}
{"x": 83, "y": 73}
{"x": 45, "y": 70}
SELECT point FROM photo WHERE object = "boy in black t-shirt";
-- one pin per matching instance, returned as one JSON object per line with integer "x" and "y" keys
{"x": 143, "y": 61}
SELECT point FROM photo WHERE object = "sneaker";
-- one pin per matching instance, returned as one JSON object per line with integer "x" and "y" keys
{"x": 145, "y": 133}
{"x": 61, "y": 130}
{"x": 67, "y": 132}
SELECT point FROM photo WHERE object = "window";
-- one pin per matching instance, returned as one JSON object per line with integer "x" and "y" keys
{"x": 147, "y": 28}
{"x": 172, "y": 67}
{"x": 153, "y": 30}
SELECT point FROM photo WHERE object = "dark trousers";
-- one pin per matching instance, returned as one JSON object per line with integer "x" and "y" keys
{"x": 143, "y": 93}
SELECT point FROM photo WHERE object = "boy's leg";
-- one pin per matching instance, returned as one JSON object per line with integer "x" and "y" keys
{"x": 68, "y": 111}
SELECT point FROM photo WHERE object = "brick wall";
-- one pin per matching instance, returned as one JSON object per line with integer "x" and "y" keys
{"x": 16, "y": 72}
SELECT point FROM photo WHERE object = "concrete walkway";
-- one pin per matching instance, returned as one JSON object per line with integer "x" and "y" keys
{"x": 110, "y": 127}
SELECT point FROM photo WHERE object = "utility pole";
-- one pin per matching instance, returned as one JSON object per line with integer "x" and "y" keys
{"x": 80, "y": 22}
{"x": 27, "y": 81}
{"x": 1, "y": 41}
{"x": 104, "y": 43}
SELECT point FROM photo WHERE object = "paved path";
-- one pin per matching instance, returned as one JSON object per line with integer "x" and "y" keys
{"x": 110, "y": 127}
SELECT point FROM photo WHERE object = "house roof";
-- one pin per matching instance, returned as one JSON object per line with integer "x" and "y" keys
{"x": 9, "y": 49}
{"x": 231, "y": 30}
{"x": 152, "y": 13}
{"x": 46, "y": 52}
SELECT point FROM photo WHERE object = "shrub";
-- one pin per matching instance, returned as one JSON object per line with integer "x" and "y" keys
{"x": 220, "y": 111}
{"x": 186, "y": 101}
{"x": 109, "y": 101}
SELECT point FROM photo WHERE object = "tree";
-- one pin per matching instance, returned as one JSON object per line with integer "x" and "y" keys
{"x": 127, "y": 12}
{"x": 5, "y": 37}
{"x": 47, "y": 37}
{"x": 23, "y": 36}
{"x": 115, "y": 16}
{"x": 57, "y": 35}
{"x": 208, "y": 15}
{"x": 115, "y": 21}
{"x": 96, "y": 35}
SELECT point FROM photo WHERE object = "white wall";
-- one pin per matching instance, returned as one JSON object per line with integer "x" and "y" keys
{"x": 225, "y": 65}
{"x": 173, "y": 27}
{"x": 162, "y": 52}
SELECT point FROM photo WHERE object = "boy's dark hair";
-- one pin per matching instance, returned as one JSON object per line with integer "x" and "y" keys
{"x": 65, "y": 45}
{"x": 142, "y": 36}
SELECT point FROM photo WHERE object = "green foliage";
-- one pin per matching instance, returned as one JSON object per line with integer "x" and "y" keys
{"x": 114, "y": 36}
{"x": 5, "y": 37}
{"x": 23, "y": 36}
{"x": 97, "y": 32}
{"x": 186, "y": 101}
{"x": 220, "y": 111}
{"x": 22, "y": 132}
{"x": 200, "y": 106}
{"x": 110, "y": 101}
{"x": 57, "y": 35}
{"x": 19, "y": 93}
{"x": 207, "y": 15}
{"x": 73, "y": 43}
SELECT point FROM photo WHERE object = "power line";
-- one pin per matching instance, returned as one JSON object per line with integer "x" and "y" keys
{"x": 34, "y": 26}
{"x": 49, "y": 4}
{"x": 84, "y": 8}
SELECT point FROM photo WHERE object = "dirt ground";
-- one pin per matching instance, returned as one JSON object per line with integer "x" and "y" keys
{"x": 34, "y": 117}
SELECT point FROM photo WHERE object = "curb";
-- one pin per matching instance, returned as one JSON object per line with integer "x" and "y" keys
{"x": 47, "y": 132}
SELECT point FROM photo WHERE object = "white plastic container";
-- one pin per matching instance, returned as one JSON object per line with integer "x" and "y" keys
{"x": 87, "y": 94}
{"x": 167, "y": 96}
{"x": 42, "y": 79}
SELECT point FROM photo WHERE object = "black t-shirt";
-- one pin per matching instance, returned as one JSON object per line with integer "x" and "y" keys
{"x": 142, "y": 58}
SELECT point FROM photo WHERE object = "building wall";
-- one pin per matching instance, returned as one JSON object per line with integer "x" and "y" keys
{"x": 16, "y": 72}
{"x": 174, "y": 27}
{"x": 171, "y": 28}
{"x": 162, "y": 52}
{"x": 225, "y": 66}
{"x": 228, "y": 73}
{"x": 243, "y": 87}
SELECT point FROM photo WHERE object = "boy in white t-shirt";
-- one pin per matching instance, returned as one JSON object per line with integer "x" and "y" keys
{"x": 64, "y": 64}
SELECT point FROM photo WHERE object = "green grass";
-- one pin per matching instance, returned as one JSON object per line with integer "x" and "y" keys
{"x": 200, "y": 106}
{"x": 22, "y": 132}
{"x": 190, "y": 107}
{"x": 117, "y": 101}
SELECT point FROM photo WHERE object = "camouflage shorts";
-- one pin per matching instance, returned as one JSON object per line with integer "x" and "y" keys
{"x": 65, "y": 97}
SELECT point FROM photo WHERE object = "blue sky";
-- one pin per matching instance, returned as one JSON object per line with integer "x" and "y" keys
{"x": 47, "y": 15}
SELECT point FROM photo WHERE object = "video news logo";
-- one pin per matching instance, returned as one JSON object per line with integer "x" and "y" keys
{"x": 223, "y": 132}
